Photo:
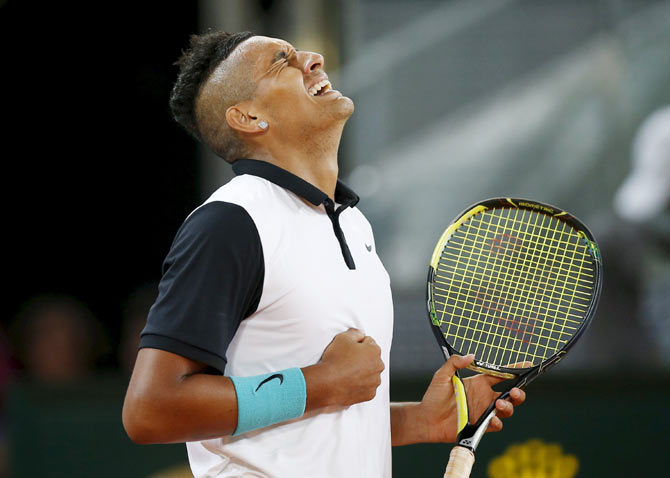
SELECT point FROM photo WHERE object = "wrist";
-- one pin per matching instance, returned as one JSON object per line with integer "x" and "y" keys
{"x": 270, "y": 398}
{"x": 408, "y": 425}
{"x": 319, "y": 387}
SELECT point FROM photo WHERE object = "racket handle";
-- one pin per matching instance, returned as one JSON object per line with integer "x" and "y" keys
{"x": 460, "y": 463}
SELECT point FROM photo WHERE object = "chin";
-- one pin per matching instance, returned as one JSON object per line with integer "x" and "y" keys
{"x": 345, "y": 107}
{"x": 338, "y": 112}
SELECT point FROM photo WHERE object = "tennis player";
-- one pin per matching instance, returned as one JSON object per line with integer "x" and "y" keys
{"x": 267, "y": 349}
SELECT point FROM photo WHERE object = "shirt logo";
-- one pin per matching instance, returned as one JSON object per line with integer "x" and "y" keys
{"x": 271, "y": 377}
{"x": 369, "y": 248}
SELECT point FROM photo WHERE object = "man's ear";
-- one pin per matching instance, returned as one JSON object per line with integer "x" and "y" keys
{"x": 240, "y": 118}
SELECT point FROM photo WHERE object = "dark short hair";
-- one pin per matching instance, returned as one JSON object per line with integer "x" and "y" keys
{"x": 196, "y": 65}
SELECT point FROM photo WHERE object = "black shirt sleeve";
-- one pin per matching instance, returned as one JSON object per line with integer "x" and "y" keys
{"x": 212, "y": 280}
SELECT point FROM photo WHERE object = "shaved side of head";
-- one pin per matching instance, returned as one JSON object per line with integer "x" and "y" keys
{"x": 212, "y": 78}
{"x": 231, "y": 83}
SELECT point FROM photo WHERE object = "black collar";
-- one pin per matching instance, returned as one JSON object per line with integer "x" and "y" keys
{"x": 343, "y": 194}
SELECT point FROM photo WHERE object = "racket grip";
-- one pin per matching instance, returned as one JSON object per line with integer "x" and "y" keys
{"x": 460, "y": 463}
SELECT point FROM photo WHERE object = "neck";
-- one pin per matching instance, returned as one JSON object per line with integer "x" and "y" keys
{"x": 313, "y": 159}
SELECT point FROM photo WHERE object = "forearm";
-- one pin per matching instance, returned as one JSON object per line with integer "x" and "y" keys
{"x": 190, "y": 405}
{"x": 170, "y": 399}
{"x": 197, "y": 407}
{"x": 406, "y": 426}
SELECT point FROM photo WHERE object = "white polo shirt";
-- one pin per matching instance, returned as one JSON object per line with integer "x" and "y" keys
{"x": 260, "y": 278}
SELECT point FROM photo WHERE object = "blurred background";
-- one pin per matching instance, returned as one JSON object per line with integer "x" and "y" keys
{"x": 565, "y": 102}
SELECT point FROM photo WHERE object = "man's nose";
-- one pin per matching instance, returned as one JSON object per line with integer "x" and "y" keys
{"x": 309, "y": 61}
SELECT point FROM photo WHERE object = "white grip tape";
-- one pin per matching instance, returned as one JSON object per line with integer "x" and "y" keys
{"x": 460, "y": 463}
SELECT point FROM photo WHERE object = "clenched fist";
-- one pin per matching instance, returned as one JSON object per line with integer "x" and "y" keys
{"x": 349, "y": 371}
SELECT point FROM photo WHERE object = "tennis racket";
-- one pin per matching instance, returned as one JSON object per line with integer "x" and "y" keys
{"x": 514, "y": 282}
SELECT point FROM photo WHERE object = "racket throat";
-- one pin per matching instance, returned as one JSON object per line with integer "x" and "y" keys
{"x": 471, "y": 435}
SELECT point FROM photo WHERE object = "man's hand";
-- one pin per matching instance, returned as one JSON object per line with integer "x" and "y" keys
{"x": 435, "y": 418}
{"x": 349, "y": 372}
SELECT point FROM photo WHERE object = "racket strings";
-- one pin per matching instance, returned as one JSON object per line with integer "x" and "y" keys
{"x": 520, "y": 327}
{"x": 512, "y": 286}
{"x": 517, "y": 322}
{"x": 511, "y": 323}
{"x": 568, "y": 239}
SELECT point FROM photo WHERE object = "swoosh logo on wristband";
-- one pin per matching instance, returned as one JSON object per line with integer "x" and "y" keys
{"x": 271, "y": 377}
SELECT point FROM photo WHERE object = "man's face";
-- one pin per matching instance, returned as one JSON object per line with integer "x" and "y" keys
{"x": 293, "y": 91}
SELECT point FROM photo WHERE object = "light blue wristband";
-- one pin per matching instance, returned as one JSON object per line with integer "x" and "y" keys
{"x": 270, "y": 398}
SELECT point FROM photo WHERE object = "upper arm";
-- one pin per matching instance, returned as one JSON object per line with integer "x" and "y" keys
{"x": 212, "y": 280}
{"x": 158, "y": 370}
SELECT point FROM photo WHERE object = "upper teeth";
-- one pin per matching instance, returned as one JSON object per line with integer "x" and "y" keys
{"x": 323, "y": 84}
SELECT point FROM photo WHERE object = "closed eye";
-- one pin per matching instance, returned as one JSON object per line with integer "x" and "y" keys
{"x": 280, "y": 55}
{"x": 280, "y": 59}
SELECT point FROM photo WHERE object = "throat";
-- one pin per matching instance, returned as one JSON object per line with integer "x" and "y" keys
{"x": 310, "y": 153}
{"x": 320, "y": 174}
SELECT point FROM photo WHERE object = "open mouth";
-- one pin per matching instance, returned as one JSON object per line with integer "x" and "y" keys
{"x": 320, "y": 88}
